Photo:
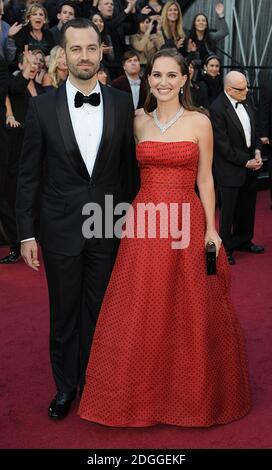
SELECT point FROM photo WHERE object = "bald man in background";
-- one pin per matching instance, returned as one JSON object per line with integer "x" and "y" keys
{"x": 237, "y": 158}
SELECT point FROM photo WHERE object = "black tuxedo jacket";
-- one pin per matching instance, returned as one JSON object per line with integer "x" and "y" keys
{"x": 230, "y": 150}
{"x": 51, "y": 163}
{"x": 122, "y": 83}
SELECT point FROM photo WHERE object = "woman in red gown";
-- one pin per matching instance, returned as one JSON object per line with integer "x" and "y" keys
{"x": 168, "y": 348}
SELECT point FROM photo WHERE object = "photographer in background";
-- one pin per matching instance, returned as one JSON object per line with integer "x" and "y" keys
{"x": 148, "y": 39}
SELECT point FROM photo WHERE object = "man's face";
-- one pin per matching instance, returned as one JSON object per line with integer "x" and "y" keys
{"x": 106, "y": 8}
{"x": 67, "y": 13}
{"x": 83, "y": 53}
{"x": 239, "y": 89}
{"x": 132, "y": 66}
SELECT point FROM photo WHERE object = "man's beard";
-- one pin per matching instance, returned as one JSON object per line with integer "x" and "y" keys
{"x": 83, "y": 74}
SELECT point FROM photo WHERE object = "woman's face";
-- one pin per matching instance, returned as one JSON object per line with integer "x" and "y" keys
{"x": 212, "y": 68}
{"x": 166, "y": 79}
{"x": 40, "y": 61}
{"x": 172, "y": 13}
{"x": 37, "y": 19}
{"x": 98, "y": 21}
{"x": 61, "y": 62}
{"x": 143, "y": 26}
{"x": 201, "y": 23}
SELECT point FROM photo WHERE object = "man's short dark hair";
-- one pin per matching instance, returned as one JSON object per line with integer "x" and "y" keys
{"x": 68, "y": 4}
{"x": 128, "y": 55}
{"x": 78, "y": 23}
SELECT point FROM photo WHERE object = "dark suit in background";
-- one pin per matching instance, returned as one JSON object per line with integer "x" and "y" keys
{"x": 122, "y": 83}
{"x": 237, "y": 184}
{"x": 265, "y": 125}
{"x": 77, "y": 269}
{"x": 6, "y": 217}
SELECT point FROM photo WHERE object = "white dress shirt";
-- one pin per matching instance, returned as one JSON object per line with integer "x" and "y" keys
{"x": 87, "y": 122}
{"x": 243, "y": 118}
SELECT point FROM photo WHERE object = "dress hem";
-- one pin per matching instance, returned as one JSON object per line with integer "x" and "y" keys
{"x": 167, "y": 423}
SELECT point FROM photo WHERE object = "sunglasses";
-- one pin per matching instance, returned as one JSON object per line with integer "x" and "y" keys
{"x": 239, "y": 89}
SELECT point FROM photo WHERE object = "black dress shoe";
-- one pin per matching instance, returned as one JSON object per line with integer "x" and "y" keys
{"x": 13, "y": 256}
{"x": 60, "y": 406}
{"x": 231, "y": 260}
{"x": 252, "y": 248}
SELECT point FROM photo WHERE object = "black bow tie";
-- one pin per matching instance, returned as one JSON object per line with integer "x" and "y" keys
{"x": 93, "y": 99}
{"x": 236, "y": 104}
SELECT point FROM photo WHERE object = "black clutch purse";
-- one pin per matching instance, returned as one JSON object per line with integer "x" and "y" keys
{"x": 211, "y": 258}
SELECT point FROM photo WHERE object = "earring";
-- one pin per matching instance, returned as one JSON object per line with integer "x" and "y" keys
{"x": 181, "y": 91}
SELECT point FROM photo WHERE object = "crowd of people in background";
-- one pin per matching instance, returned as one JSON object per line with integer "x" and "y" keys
{"x": 32, "y": 62}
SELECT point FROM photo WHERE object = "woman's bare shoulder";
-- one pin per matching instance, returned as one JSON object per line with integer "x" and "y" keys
{"x": 200, "y": 120}
{"x": 140, "y": 121}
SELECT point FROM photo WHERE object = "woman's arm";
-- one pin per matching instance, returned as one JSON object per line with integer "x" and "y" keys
{"x": 10, "y": 119}
{"x": 205, "y": 178}
{"x": 223, "y": 27}
{"x": 222, "y": 32}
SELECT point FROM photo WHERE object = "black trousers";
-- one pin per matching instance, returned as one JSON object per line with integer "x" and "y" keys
{"x": 7, "y": 214}
{"x": 237, "y": 214}
{"x": 76, "y": 288}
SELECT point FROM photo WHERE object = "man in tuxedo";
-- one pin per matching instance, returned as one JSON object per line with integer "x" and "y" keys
{"x": 78, "y": 148}
{"x": 131, "y": 82}
{"x": 237, "y": 157}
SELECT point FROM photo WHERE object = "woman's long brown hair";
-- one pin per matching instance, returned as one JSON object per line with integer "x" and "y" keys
{"x": 185, "y": 99}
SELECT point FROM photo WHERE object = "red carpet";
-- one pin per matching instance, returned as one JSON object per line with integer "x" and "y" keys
{"x": 26, "y": 386}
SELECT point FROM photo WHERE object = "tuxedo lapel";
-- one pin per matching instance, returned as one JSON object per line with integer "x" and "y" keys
{"x": 68, "y": 135}
{"x": 104, "y": 150}
{"x": 231, "y": 112}
{"x": 127, "y": 86}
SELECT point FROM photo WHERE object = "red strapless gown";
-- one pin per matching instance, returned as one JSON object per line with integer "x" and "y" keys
{"x": 168, "y": 347}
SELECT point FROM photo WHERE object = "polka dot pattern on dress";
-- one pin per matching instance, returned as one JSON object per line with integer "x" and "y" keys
{"x": 168, "y": 348}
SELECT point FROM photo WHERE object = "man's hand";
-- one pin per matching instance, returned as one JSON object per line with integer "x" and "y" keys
{"x": 29, "y": 252}
{"x": 11, "y": 121}
{"x": 258, "y": 156}
{"x": 254, "y": 164}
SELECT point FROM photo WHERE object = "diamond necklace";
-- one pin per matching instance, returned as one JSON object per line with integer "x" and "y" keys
{"x": 164, "y": 127}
